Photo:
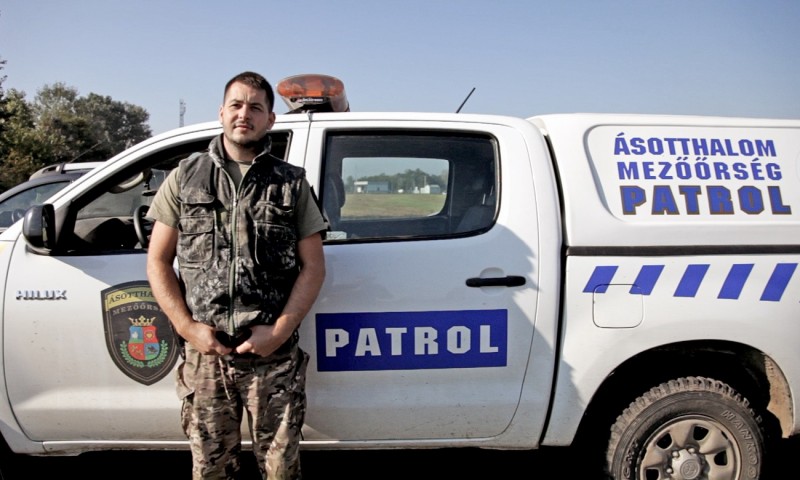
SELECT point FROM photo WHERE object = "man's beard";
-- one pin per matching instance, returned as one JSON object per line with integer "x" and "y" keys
{"x": 244, "y": 142}
{"x": 251, "y": 145}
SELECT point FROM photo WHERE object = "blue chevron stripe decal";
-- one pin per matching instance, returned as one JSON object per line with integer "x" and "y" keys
{"x": 693, "y": 278}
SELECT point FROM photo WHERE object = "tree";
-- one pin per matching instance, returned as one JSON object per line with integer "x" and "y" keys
{"x": 3, "y": 114}
{"x": 118, "y": 125}
{"x": 23, "y": 148}
{"x": 61, "y": 126}
{"x": 91, "y": 128}
{"x": 66, "y": 134}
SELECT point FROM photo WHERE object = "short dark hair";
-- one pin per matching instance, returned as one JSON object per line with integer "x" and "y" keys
{"x": 254, "y": 80}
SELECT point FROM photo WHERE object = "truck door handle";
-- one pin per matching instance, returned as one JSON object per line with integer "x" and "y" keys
{"x": 509, "y": 281}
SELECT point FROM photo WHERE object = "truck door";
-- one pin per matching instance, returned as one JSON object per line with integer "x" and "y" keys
{"x": 425, "y": 325}
{"x": 90, "y": 354}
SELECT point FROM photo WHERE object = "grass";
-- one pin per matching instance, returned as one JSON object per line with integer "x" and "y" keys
{"x": 391, "y": 205}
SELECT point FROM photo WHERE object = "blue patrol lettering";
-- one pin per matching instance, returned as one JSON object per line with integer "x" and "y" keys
{"x": 667, "y": 200}
{"x": 411, "y": 340}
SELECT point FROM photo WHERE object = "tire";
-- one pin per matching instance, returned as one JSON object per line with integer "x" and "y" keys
{"x": 690, "y": 428}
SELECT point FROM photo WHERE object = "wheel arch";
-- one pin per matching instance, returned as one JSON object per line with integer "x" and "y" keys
{"x": 749, "y": 371}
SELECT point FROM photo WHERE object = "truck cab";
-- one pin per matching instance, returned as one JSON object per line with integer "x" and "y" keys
{"x": 428, "y": 290}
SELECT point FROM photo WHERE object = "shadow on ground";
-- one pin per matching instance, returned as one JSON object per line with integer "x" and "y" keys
{"x": 463, "y": 463}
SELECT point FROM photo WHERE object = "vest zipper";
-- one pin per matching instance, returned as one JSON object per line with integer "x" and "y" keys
{"x": 234, "y": 255}
{"x": 235, "y": 240}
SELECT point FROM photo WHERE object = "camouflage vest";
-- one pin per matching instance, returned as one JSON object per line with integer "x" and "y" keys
{"x": 237, "y": 250}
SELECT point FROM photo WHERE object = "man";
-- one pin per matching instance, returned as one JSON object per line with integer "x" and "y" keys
{"x": 246, "y": 230}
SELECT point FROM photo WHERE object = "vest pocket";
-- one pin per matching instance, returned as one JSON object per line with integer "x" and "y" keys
{"x": 276, "y": 247}
{"x": 196, "y": 238}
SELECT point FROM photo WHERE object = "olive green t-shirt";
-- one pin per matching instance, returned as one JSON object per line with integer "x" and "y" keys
{"x": 166, "y": 206}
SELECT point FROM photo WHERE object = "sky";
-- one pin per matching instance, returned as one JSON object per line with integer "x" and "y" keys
{"x": 523, "y": 58}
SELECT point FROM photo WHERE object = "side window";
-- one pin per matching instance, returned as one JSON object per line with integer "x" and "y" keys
{"x": 112, "y": 217}
{"x": 106, "y": 220}
{"x": 400, "y": 185}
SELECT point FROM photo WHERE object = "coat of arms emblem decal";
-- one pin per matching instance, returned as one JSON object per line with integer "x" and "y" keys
{"x": 139, "y": 336}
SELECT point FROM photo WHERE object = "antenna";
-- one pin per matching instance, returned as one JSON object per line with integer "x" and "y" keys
{"x": 182, "y": 110}
{"x": 465, "y": 100}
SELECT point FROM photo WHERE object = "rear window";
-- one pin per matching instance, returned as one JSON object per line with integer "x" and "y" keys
{"x": 408, "y": 185}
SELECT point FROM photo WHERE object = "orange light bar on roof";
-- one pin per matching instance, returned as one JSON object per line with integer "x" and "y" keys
{"x": 313, "y": 92}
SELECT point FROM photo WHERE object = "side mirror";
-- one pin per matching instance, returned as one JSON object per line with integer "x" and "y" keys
{"x": 39, "y": 228}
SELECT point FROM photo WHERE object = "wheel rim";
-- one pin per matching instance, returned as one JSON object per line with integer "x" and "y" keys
{"x": 691, "y": 448}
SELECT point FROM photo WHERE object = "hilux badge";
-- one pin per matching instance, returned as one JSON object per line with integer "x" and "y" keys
{"x": 41, "y": 295}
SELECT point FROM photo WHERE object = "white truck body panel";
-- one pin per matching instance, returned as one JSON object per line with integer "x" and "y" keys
{"x": 726, "y": 296}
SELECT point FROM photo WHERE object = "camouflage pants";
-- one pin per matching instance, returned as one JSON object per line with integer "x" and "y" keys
{"x": 216, "y": 391}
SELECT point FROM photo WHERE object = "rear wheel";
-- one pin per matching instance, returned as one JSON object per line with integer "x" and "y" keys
{"x": 690, "y": 428}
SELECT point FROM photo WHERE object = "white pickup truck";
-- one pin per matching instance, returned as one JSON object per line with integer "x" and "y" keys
{"x": 626, "y": 281}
